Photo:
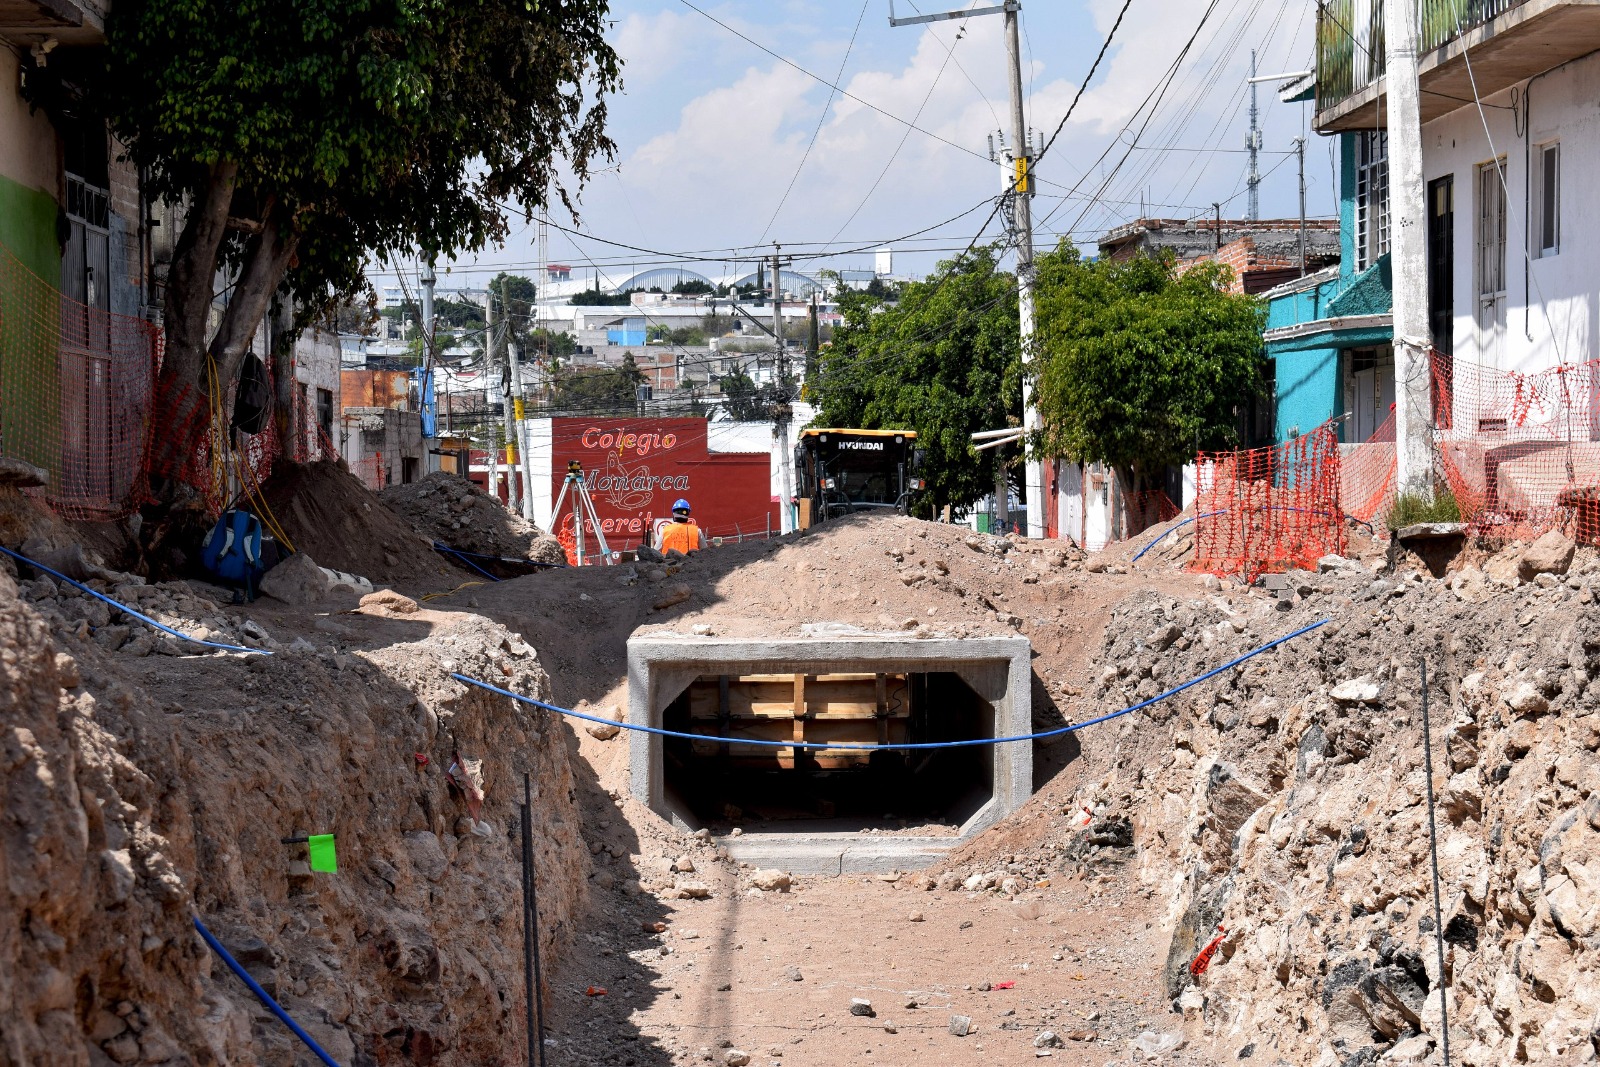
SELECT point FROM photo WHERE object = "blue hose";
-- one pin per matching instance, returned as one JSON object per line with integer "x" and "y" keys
{"x": 441, "y": 547}
{"x": 129, "y": 611}
{"x": 262, "y": 994}
{"x": 658, "y": 731}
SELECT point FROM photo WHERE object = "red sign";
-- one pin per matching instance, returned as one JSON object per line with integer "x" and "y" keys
{"x": 636, "y": 469}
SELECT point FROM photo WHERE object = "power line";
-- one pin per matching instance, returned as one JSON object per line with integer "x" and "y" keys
{"x": 821, "y": 119}
{"x": 948, "y": 56}
{"x": 819, "y": 78}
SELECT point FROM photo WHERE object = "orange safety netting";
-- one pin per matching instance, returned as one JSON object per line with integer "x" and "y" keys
{"x": 373, "y": 474}
{"x": 308, "y": 439}
{"x": 1520, "y": 451}
{"x": 1366, "y": 476}
{"x": 1147, "y": 509}
{"x": 75, "y": 392}
{"x": 1268, "y": 509}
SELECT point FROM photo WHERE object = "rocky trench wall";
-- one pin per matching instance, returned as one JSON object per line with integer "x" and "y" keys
{"x": 1286, "y": 803}
{"x": 138, "y": 793}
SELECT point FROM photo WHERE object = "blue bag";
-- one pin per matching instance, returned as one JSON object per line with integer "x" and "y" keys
{"x": 232, "y": 550}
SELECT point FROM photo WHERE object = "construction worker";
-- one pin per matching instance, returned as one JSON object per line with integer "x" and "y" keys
{"x": 681, "y": 533}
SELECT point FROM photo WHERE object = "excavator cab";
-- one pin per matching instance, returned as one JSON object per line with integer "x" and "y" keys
{"x": 845, "y": 471}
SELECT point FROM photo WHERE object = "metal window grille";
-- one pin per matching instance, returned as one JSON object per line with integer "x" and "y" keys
{"x": 1372, "y": 197}
{"x": 1491, "y": 242}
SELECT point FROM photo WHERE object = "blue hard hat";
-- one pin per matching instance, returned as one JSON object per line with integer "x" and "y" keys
{"x": 681, "y": 505}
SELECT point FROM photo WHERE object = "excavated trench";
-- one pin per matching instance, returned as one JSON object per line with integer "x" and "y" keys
{"x": 834, "y": 808}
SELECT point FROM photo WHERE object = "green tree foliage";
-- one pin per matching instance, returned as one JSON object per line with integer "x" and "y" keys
{"x": 309, "y": 136}
{"x": 883, "y": 290}
{"x": 601, "y": 298}
{"x": 692, "y": 286}
{"x": 560, "y": 343}
{"x": 944, "y": 361}
{"x": 459, "y": 314}
{"x": 600, "y": 390}
{"x": 745, "y": 401}
{"x": 1141, "y": 365}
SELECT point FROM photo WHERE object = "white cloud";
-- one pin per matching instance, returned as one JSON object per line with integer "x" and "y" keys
{"x": 709, "y": 171}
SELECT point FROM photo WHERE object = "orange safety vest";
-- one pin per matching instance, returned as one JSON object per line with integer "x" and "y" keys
{"x": 683, "y": 536}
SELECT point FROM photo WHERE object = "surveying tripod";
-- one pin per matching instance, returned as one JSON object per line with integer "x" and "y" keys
{"x": 582, "y": 509}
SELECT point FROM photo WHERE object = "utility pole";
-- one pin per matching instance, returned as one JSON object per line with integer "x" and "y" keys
{"x": 513, "y": 484}
{"x": 429, "y": 417}
{"x": 1408, "y": 245}
{"x": 781, "y": 428}
{"x": 519, "y": 412}
{"x": 1300, "y": 151}
{"x": 1021, "y": 191}
{"x": 1252, "y": 143}
{"x": 1033, "y": 476}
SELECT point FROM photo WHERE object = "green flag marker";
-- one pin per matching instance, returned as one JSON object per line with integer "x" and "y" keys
{"x": 323, "y": 857}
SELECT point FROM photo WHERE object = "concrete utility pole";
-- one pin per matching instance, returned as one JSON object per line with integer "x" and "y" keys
{"x": 1252, "y": 143}
{"x": 520, "y": 414}
{"x": 1033, "y": 477}
{"x": 1408, "y": 246}
{"x": 1300, "y": 151}
{"x": 781, "y": 427}
{"x": 513, "y": 484}
{"x": 1022, "y": 194}
{"x": 431, "y": 458}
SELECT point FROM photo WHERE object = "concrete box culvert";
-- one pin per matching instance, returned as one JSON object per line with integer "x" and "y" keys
{"x": 832, "y": 811}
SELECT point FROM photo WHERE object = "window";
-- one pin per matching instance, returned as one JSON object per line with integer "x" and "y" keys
{"x": 1547, "y": 202}
{"x": 325, "y": 412}
{"x": 1372, "y": 197}
{"x": 1491, "y": 232}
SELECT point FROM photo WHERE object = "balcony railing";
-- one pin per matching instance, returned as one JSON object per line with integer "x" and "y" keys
{"x": 1350, "y": 39}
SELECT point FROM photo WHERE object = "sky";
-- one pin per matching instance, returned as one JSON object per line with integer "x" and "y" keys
{"x": 723, "y": 149}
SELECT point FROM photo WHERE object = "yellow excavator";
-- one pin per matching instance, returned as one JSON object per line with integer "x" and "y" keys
{"x": 843, "y": 472}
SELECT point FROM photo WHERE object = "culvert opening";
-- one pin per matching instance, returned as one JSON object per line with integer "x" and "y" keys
{"x": 833, "y": 809}
{"x": 786, "y": 789}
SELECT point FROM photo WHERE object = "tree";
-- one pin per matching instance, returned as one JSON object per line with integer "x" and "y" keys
{"x": 601, "y": 298}
{"x": 691, "y": 286}
{"x": 883, "y": 290}
{"x": 459, "y": 314}
{"x": 599, "y": 389}
{"x": 307, "y": 136}
{"x": 1141, "y": 364}
{"x": 944, "y": 361}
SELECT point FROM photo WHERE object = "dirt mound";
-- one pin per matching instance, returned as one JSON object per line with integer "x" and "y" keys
{"x": 1286, "y": 801}
{"x": 141, "y": 791}
{"x": 329, "y": 515}
{"x": 453, "y": 511}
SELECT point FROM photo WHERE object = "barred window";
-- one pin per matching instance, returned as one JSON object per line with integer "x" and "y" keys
{"x": 1372, "y": 197}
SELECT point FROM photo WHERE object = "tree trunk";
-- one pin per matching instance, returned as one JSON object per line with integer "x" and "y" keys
{"x": 266, "y": 258}
{"x": 289, "y": 430}
{"x": 182, "y": 389}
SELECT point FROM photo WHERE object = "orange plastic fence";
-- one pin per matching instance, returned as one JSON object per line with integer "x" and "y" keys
{"x": 373, "y": 474}
{"x": 1366, "y": 476}
{"x": 1146, "y": 509}
{"x": 1268, "y": 509}
{"x": 75, "y": 391}
{"x": 1521, "y": 452}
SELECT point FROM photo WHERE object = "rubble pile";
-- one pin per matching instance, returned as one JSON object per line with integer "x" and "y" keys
{"x": 1284, "y": 805}
{"x": 340, "y": 523}
{"x": 453, "y": 511}
{"x": 141, "y": 791}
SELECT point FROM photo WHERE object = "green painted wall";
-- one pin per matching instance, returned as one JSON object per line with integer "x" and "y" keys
{"x": 28, "y": 229}
{"x": 30, "y": 327}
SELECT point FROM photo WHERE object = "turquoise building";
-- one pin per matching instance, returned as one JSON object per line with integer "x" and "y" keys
{"x": 1329, "y": 335}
